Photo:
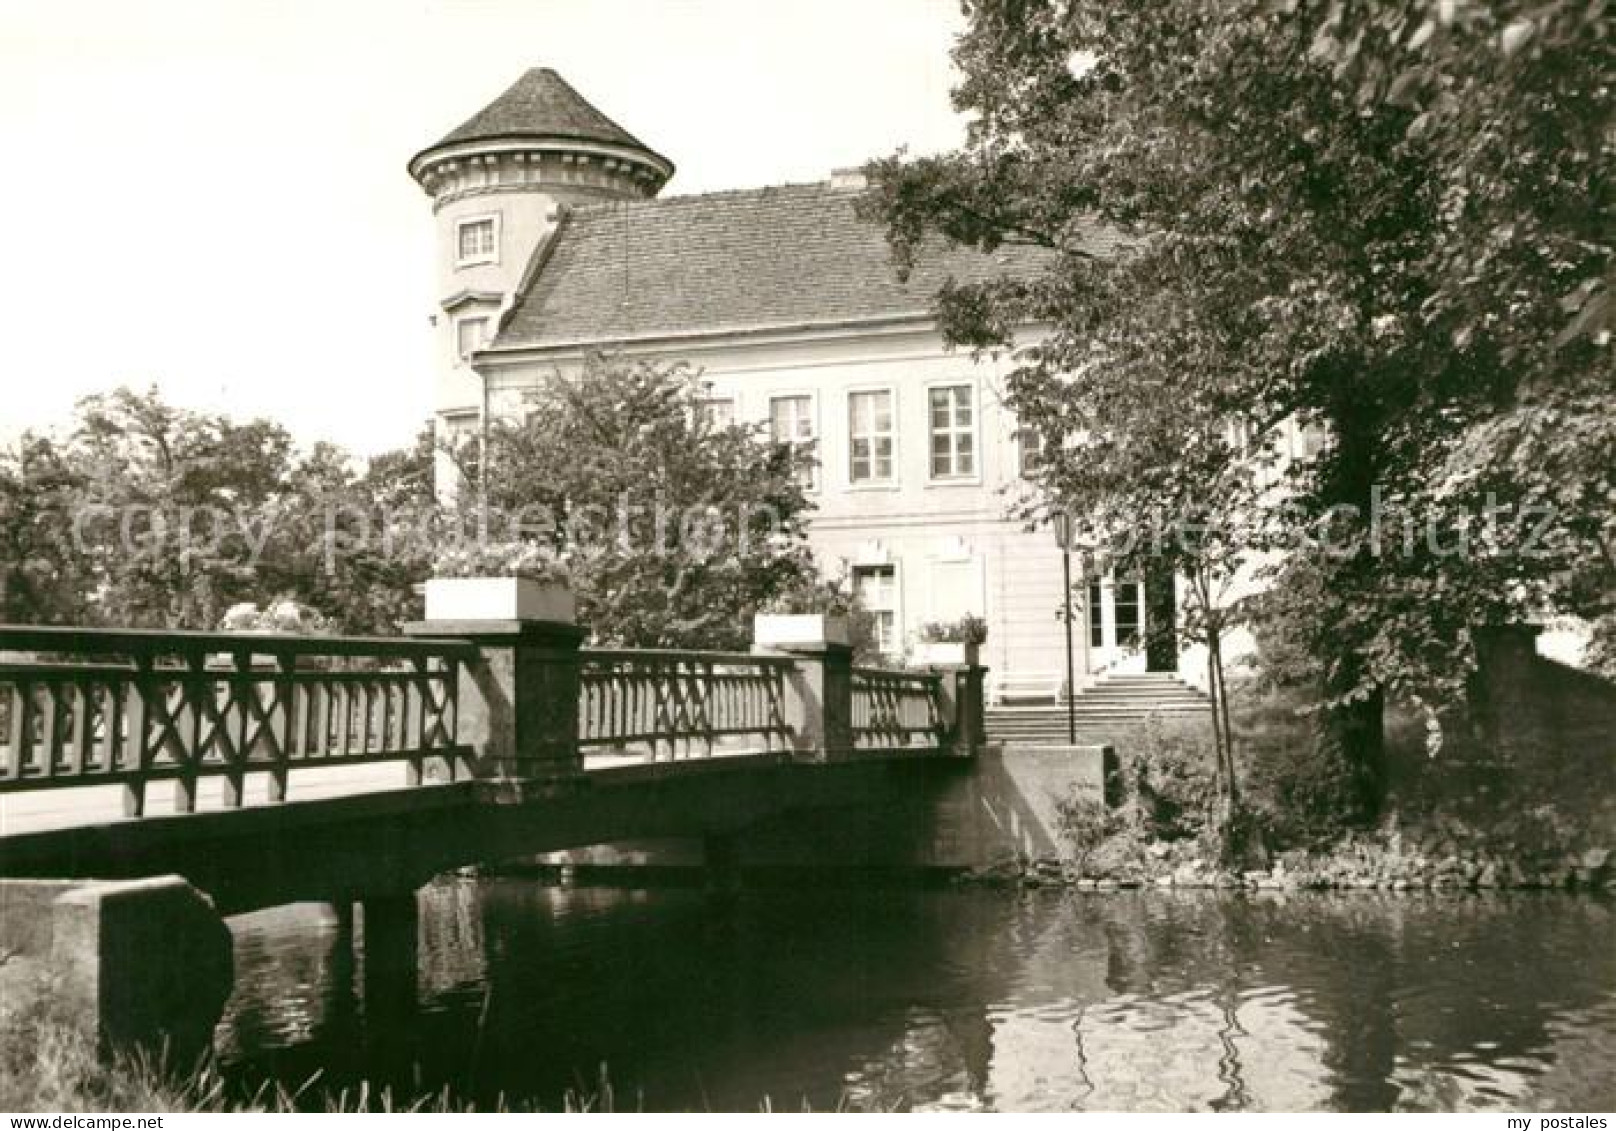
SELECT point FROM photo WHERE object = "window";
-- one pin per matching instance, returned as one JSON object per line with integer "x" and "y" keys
{"x": 1128, "y": 609}
{"x": 719, "y": 412}
{"x": 1029, "y": 450}
{"x": 877, "y": 590}
{"x": 871, "y": 441}
{"x": 1096, "y": 616}
{"x": 791, "y": 421}
{"x": 461, "y": 434}
{"x": 477, "y": 241}
{"x": 471, "y": 334}
{"x": 953, "y": 433}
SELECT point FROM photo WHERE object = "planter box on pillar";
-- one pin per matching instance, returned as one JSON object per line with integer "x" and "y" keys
{"x": 947, "y": 653}
{"x": 498, "y": 598}
{"x": 792, "y": 630}
{"x": 517, "y": 706}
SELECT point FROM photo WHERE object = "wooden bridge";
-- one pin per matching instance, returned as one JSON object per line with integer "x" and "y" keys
{"x": 345, "y": 768}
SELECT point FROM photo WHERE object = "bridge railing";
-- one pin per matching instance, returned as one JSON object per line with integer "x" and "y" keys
{"x": 673, "y": 704}
{"x": 129, "y": 708}
{"x": 898, "y": 710}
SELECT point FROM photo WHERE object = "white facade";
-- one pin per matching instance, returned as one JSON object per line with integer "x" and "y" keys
{"x": 924, "y": 547}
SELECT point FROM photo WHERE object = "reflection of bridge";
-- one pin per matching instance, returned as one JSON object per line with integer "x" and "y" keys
{"x": 345, "y": 769}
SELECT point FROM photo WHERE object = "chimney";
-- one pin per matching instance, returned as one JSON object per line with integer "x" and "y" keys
{"x": 849, "y": 177}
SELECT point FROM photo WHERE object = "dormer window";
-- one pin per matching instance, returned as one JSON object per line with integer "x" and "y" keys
{"x": 477, "y": 241}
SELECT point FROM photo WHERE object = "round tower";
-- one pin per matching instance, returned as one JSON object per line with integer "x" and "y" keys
{"x": 497, "y": 183}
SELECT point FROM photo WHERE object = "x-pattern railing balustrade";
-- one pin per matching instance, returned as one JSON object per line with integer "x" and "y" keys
{"x": 80, "y": 708}
{"x": 671, "y": 704}
{"x": 897, "y": 710}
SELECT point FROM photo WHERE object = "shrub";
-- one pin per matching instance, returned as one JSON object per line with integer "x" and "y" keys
{"x": 1303, "y": 794}
{"x": 1085, "y": 823}
{"x": 1168, "y": 777}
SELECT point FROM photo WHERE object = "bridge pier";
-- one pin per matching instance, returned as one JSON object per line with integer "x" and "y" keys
{"x": 389, "y": 983}
{"x": 721, "y": 864}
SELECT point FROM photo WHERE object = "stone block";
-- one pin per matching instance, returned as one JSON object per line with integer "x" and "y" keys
{"x": 141, "y": 964}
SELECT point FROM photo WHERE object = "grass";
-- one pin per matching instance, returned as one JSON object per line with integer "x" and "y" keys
{"x": 48, "y": 1064}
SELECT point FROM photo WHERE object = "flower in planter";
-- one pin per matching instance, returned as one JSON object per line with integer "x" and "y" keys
{"x": 500, "y": 559}
{"x": 969, "y": 629}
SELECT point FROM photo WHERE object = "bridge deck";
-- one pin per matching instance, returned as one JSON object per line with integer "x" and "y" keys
{"x": 53, "y": 809}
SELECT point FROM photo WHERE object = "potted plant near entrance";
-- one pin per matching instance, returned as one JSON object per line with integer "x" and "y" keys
{"x": 952, "y": 642}
{"x": 503, "y": 581}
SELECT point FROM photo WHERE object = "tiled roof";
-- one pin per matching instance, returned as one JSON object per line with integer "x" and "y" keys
{"x": 540, "y": 104}
{"x": 794, "y": 255}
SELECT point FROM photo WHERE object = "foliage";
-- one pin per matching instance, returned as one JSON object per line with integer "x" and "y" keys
{"x": 1168, "y": 780}
{"x": 44, "y": 575}
{"x": 969, "y": 629}
{"x": 160, "y": 482}
{"x": 813, "y": 596}
{"x": 359, "y": 540}
{"x": 1374, "y": 217}
{"x": 1084, "y": 822}
{"x": 675, "y": 530}
{"x": 1600, "y": 654}
{"x": 151, "y": 515}
{"x": 1305, "y": 798}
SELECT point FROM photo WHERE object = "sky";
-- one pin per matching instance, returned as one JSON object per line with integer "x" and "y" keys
{"x": 210, "y": 195}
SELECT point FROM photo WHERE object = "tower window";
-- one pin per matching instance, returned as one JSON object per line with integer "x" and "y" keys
{"x": 471, "y": 334}
{"x": 477, "y": 241}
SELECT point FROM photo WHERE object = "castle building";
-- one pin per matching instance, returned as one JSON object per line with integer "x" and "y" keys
{"x": 554, "y": 243}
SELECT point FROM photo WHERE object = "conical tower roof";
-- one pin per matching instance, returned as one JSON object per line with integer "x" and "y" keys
{"x": 541, "y": 106}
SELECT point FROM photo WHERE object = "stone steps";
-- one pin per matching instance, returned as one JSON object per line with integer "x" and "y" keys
{"x": 1114, "y": 703}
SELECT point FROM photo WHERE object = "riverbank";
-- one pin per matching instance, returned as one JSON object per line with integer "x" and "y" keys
{"x": 1470, "y": 815}
{"x": 1382, "y": 860}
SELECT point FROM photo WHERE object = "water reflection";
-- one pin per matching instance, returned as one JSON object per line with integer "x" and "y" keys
{"x": 1024, "y": 1002}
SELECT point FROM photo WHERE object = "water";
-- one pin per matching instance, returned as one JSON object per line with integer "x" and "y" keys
{"x": 926, "y": 999}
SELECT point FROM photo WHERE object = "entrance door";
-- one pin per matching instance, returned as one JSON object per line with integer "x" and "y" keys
{"x": 1115, "y": 611}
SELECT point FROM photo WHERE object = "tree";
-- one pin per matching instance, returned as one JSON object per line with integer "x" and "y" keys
{"x": 152, "y": 515}
{"x": 355, "y": 541}
{"x": 1385, "y": 219}
{"x": 44, "y": 576}
{"x": 674, "y": 528}
{"x": 176, "y": 509}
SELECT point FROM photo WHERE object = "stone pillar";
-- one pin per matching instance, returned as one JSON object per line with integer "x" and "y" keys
{"x": 1503, "y": 693}
{"x": 518, "y": 700}
{"x": 963, "y": 706}
{"x": 819, "y": 698}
